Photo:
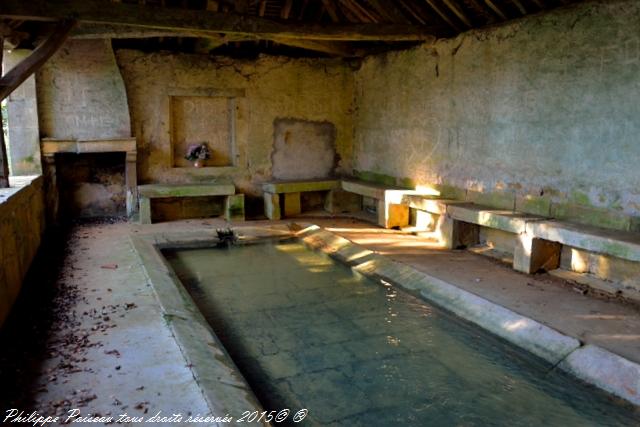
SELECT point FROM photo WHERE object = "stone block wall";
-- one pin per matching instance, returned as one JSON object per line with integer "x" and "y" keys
{"x": 22, "y": 224}
{"x": 540, "y": 113}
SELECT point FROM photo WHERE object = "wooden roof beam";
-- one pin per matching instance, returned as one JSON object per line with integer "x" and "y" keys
{"x": 496, "y": 9}
{"x": 458, "y": 12}
{"x": 520, "y": 6}
{"x": 443, "y": 15}
{"x": 95, "y": 12}
{"x": 389, "y": 11}
{"x": 32, "y": 63}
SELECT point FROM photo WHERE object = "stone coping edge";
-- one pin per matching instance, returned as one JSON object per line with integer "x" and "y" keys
{"x": 592, "y": 364}
{"x": 224, "y": 388}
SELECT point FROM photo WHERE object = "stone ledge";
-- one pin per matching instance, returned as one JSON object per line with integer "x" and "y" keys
{"x": 592, "y": 364}
{"x": 620, "y": 244}
{"x": 222, "y": 188}
{"x": 300, "y": 186}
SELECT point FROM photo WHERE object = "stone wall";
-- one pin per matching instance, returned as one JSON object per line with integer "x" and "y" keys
{"x": 541, "y": 114}
{"x": 81, "y": 94}
{"x": 264, "y": 92}
{"x": 22, "y": 224}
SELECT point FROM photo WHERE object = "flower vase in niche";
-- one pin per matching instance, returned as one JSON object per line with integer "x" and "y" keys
{"x": 198, "y": 153}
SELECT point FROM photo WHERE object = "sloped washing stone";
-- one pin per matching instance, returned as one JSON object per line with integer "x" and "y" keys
{"x": 606, "y": 370}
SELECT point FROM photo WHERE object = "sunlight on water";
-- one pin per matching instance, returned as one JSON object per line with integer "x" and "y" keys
{"x": 307, "y": 332}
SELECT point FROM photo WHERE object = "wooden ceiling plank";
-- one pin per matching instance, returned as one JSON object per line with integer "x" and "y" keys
{"x": 330, "y": 7}
{"x": 496, "y": 9}
{"x": 443, "y": 15}
{"x": 94, "y": 12}
{"x": 349, "y": 6}
{"x": 368, "y": 16}
{"x": 539, "y": 3}
{"x": 389, "y": 11}
{"x": 520, "y": 6}
{"x": 32, "y": 63}
{"x": 331, "y": 48}
{"x": 458, "y": 12}
{"x": 413, "y": 13}
{"x": 303, "y": 9}
{"x": 286, "y": 9}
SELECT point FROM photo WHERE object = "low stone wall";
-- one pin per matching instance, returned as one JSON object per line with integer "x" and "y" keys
{"x": 22, "y": 224}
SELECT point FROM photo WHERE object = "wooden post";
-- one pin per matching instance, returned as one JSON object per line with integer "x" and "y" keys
{"x": 4, "y": 160}
{"x": 31, "y": 64}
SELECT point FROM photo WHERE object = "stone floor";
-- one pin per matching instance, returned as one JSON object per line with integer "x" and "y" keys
{"x": 87, "y": 332}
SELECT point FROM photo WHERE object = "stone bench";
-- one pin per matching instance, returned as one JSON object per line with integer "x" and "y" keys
{"x": 392, "y": 212}
{"x": 291, "y": 191}
{"x": 539, "y": 239}
{"x": 233, "y": 205}
{"x": 615, "y": 243}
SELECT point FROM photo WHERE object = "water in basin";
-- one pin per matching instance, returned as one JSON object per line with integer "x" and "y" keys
{"x": 307, "y": 332}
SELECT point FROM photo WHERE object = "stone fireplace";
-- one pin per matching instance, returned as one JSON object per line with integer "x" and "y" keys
{"x": 91, "y": 156}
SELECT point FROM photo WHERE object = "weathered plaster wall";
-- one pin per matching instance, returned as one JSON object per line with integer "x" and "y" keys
{"x": 81, "y": 94}
{"x": 546, "y": 106}
{"x": 91, "y": 185}
{"x": 22, "y": 224}
{"x": 265, "y": 90}
{"x": 22, "y": 115}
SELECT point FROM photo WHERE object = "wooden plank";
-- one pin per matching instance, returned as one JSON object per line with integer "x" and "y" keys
{"x": 286, "y": 9}
{"x": 330, "y": 7}
{"x": 496, "y": 9}
{"x": 94, "y": 11}
{"x": 4, "y": 159}
{"x": 19, "y": 73}
{"x": 413, "y": 13}
{"x": 389, "y": 11}
{"x": 458, "y": 12}
{"x": 443, "y": 15}
{"x": 520, "y": 6}
{"x": 331, "y": 48}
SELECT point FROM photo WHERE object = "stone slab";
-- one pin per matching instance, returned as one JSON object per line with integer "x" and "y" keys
{"x": 300, "y": 186}
{"x": 368, "y": 189}
{"x": 513, "y": 222}
{"x": 522, "y": 331}
{"x": 223, "y": 386}
{"x": 428, "y": 204}
{"x": 220, "y": 188}
{"x": 53, "y": 146}
{"x": 620, "y": 244}
{"x": 606, "y": 370}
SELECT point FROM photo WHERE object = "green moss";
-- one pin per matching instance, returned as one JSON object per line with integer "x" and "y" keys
{"x": 591, "y": 216}
{"x": 580, "y": 198}
{"x": 536, "y": 205}
{"x": 497, "y": 199}
{"x": 375, "y": 177}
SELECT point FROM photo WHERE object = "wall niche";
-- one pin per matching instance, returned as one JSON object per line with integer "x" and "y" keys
{"x": 199, "y": 119}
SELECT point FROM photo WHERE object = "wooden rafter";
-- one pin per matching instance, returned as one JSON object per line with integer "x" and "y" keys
{"x": 415, "y": 14}
{"x": 29, "y": 65}
{"x": 95, "y": 12}
{"x": 496, "y": 9}
{"x": 330, "y": 7}
{"x": 520, "y": 6}
{"x": 286, "y": 9}
{"x": 4, "y": 159}
{"x": 458, "y": 12}
{"x": 389, "y": 11}
{"x": 443, "y": 15}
